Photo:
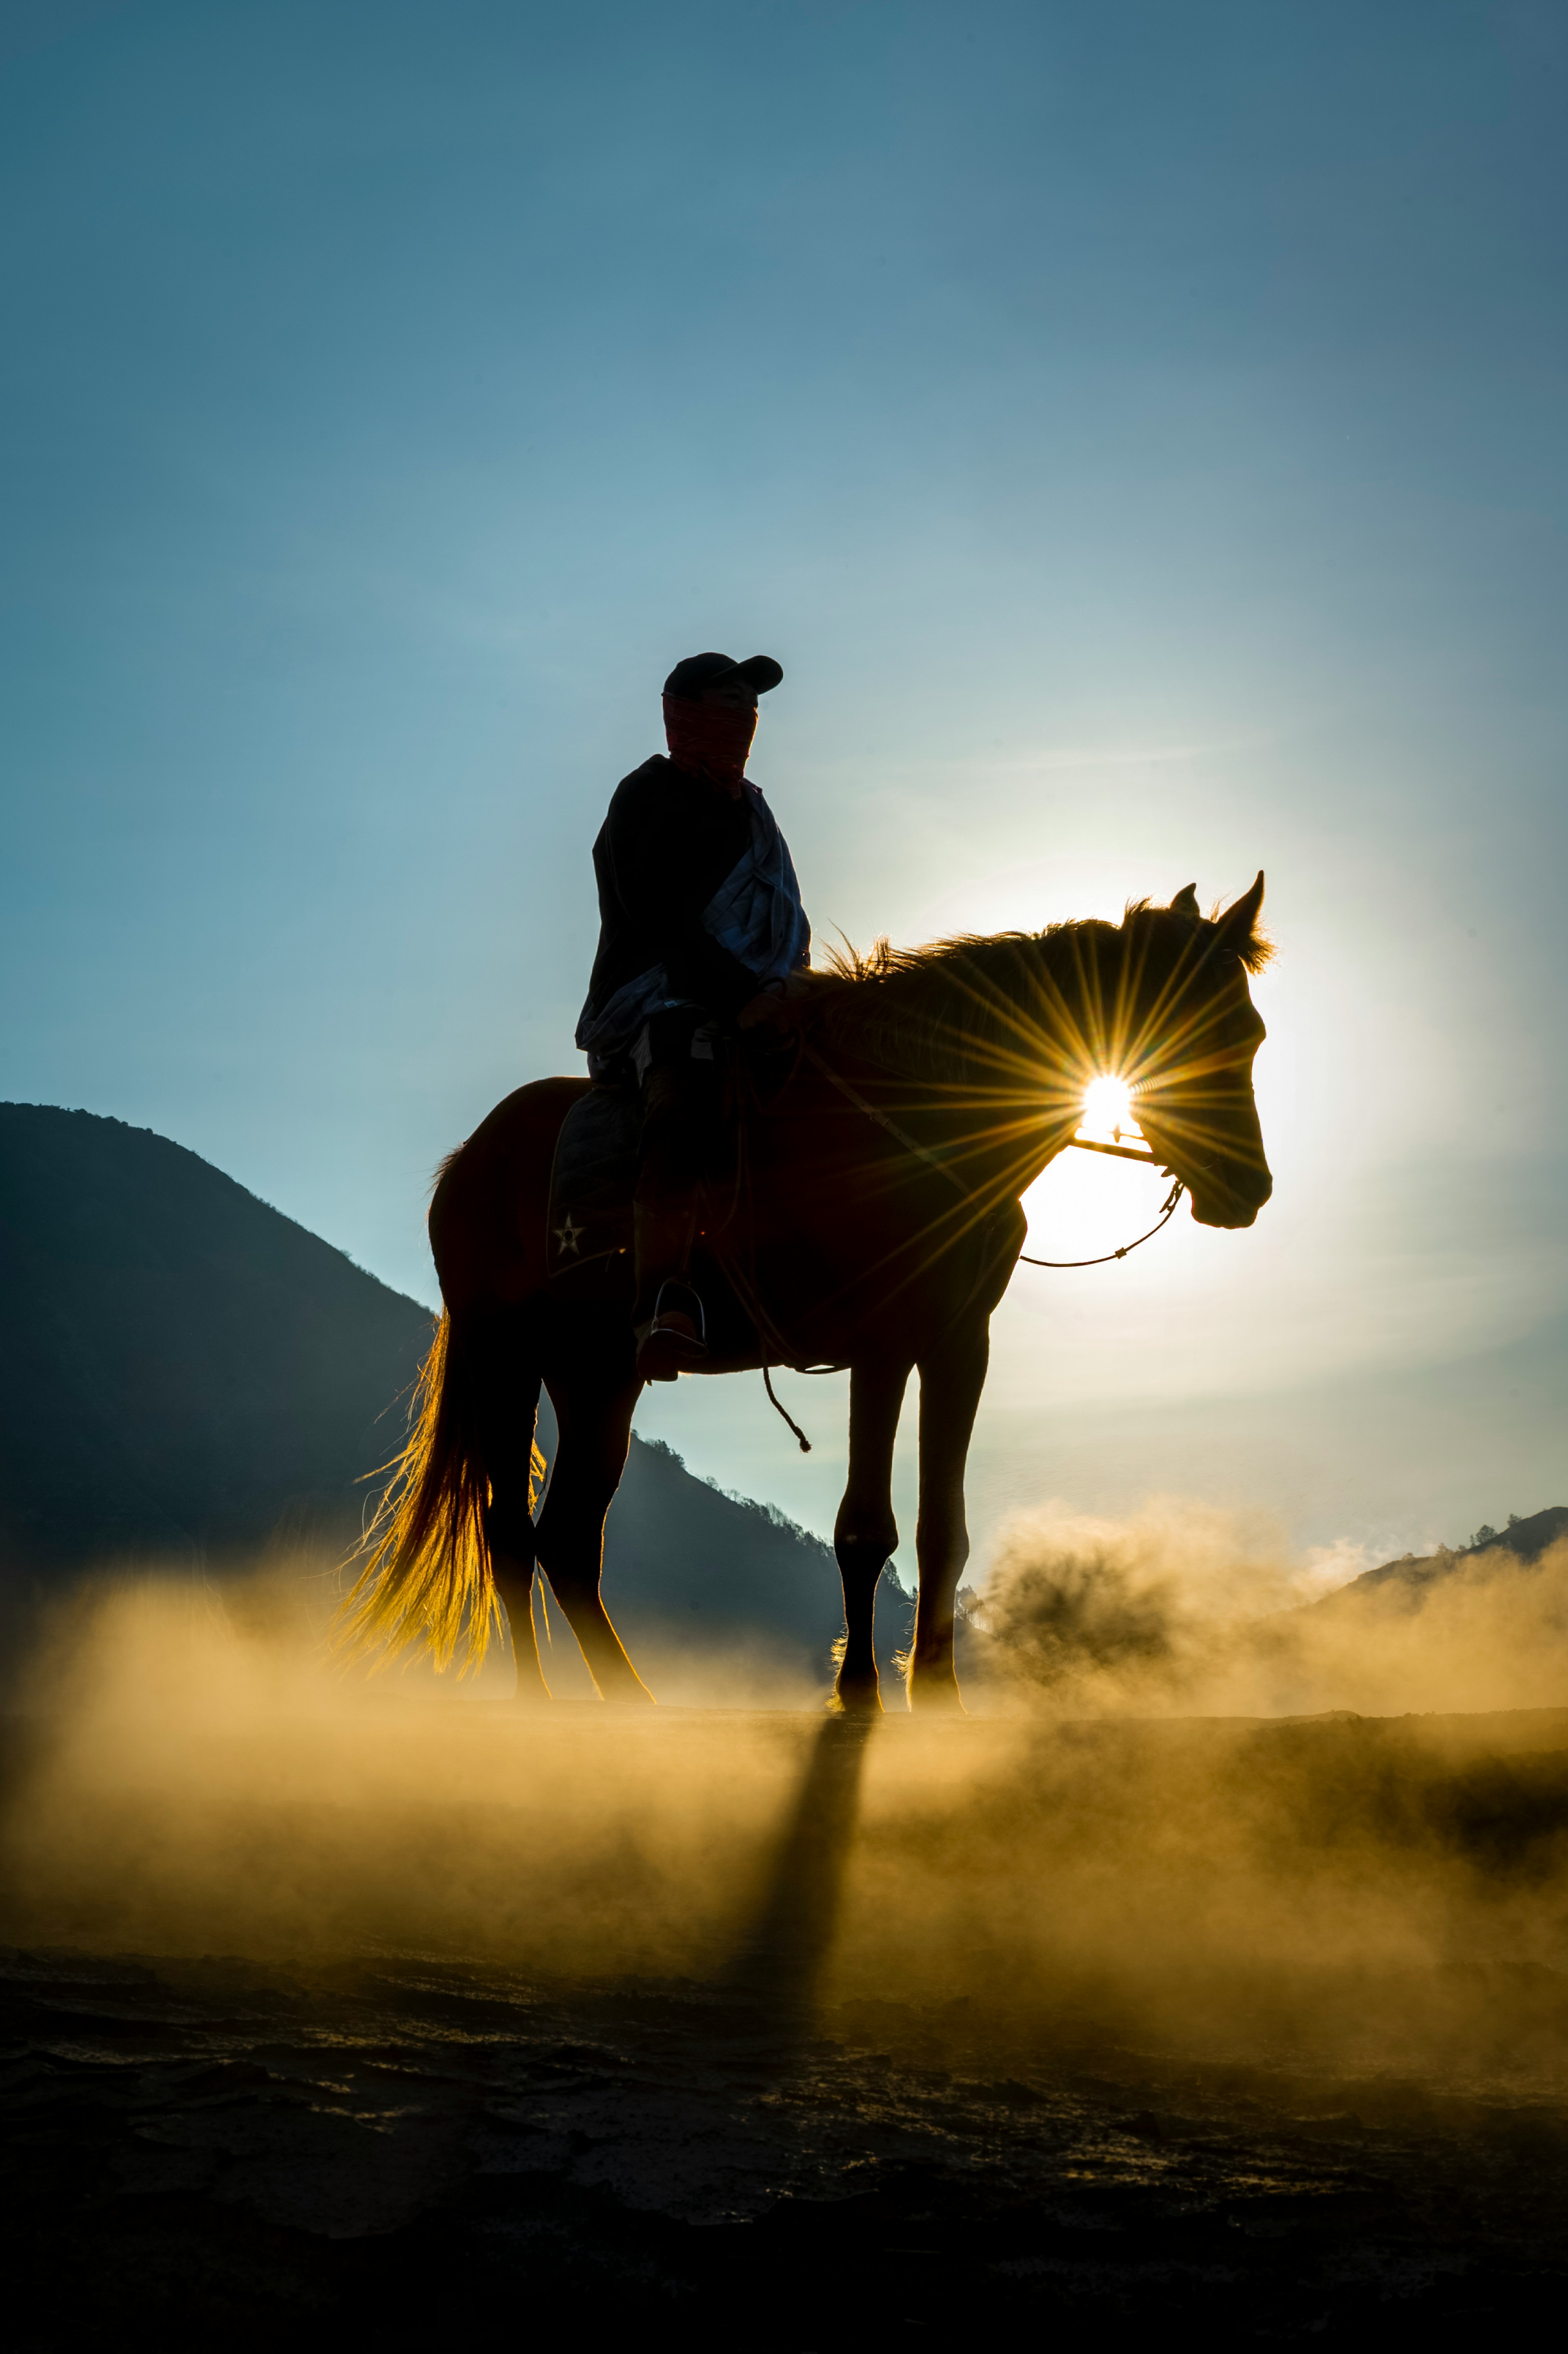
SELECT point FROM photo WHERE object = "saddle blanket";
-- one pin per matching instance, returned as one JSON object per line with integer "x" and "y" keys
{"x": 592, "y": 1181}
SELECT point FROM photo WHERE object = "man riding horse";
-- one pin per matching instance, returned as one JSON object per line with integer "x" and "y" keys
{"x": 872, "y": 1220}
{"x": 701, "y": 927}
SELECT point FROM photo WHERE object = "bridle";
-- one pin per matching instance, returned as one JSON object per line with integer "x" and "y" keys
{"x": 1167, "y": 1209}
{"x": 934, "y": 1160}
{"x": 912, "y": 1145}
{"x": 1118, "y": 1151}
{"x": 1124, "y": 1152}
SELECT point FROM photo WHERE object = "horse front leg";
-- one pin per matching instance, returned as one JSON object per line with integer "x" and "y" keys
{"x": 951, "y": 1380}
{"x": 866, "y": 1533}
{"x": 594, "y": 1432}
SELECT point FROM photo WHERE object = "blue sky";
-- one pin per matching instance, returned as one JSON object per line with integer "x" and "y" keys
{"x": 1138, "y": 431}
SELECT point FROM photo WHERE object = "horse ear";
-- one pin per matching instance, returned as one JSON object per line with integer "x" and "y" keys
{"x": 1185, "y": 903}
{"x": 1239, "y": 922}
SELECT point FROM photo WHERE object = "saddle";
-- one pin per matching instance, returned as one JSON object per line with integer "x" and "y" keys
{"x": 588, "y": 1254}
{"x": 587, "y": 1237}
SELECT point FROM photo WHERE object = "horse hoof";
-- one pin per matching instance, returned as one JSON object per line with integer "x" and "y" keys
{"x": 940, "y": 1699}
{"x": 856, "y": 1700}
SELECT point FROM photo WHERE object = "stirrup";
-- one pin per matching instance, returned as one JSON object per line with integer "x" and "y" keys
{"x": 674, "y": 1339}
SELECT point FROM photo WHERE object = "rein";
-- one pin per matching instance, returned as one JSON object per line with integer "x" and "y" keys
{"x": 1165, "y": 1214}
{"x": 882, "y": 1120}
{"x": 1117, "y": 1151}
{"x": 933, "y": 1160}
{"x": 911, "y": 1145}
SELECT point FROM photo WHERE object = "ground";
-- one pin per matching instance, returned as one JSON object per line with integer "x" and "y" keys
{"x": 849, "y": 2110}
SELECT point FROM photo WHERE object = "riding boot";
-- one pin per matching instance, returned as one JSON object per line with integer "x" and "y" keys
{"x": 668, "y": 1318}
{"x": 677, "y": 1113}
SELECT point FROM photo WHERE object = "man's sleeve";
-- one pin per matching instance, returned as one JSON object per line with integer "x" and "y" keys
{"x": 654, "y": 887}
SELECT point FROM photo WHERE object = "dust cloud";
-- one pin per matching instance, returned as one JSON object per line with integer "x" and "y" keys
{"x": 1184, "y": 1608}
{"x": 194, "y": 1773}
{"x": 189, "y": 1778}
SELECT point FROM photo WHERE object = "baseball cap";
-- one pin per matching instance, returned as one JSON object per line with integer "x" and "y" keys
{"x": 688, "y": 678}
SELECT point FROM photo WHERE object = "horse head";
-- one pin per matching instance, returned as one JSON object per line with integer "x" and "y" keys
{"x": 1183, "y": 1031}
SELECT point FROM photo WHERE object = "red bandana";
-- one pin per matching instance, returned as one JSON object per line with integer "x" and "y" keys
{"x": 708, "y": 741}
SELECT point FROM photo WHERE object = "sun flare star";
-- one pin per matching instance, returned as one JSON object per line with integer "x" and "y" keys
{"x": 1108, "y": 1103}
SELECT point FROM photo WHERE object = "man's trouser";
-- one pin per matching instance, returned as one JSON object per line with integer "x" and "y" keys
{"x": 680, "y": 1130}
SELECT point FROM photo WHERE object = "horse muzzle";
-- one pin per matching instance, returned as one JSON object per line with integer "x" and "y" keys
{"x": 1219, "y": 1202}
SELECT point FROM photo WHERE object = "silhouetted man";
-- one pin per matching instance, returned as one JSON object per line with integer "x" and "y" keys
{"x": 701, "y": 927}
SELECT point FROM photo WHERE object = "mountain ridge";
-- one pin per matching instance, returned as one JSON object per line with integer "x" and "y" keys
{"x": 187, "y": 1374}
{"x": 1528, "y": 1539}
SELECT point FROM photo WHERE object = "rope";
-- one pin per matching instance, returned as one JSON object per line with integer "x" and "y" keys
{"x": 921, "y": 1153}
{"x": 744, "y": 1283}
{"x": 891, "y": 1126}
{"x": 773, "y": 1402}
{"x": 1164, "y": 1219}
{"x": 910, "y": 1145}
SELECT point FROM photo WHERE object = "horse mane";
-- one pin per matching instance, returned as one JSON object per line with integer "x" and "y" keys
{"x": 908, "y": 1009}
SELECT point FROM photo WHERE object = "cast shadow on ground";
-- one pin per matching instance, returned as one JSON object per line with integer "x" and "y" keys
{"x": 780, "y": 1959}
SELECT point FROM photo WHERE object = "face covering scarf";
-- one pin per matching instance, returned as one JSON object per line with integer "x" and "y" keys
{"x": 708, "y": 741}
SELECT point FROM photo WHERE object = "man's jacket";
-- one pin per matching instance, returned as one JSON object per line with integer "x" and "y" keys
{"x": 698, "y": 903}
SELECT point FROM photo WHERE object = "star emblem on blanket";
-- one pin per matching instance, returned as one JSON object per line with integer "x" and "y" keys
{"x": 568, "y": 1237}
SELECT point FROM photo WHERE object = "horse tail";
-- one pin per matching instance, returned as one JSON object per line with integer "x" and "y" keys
{"x": 427, "y": 1580}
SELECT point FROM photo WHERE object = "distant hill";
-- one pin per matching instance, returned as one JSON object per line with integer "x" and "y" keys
{"x": 1414, "y": 1573}
{"x": 180, "y": 1367}
{"x": 184, "y": 1371}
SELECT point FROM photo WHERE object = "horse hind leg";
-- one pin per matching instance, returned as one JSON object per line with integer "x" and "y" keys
{"x": 512, "y": 1413}
{"x": 513, "y": 1567}
{"x": 595, "y": 1426}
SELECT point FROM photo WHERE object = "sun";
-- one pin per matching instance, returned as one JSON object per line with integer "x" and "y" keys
{"x": 1107, "y": 1104}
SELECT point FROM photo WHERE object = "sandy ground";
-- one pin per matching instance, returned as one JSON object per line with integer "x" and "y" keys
{"x": 760, "y": 2026}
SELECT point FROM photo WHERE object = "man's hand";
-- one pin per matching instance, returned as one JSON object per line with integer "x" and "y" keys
{"x": 773, "y": 1007}
{"x": 767, "y": 1010}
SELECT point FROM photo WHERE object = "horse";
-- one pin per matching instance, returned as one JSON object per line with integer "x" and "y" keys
{"x": 867, "y": 1215}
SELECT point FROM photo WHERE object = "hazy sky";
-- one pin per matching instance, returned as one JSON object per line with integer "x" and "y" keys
{"x": 1137, "y": 430}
